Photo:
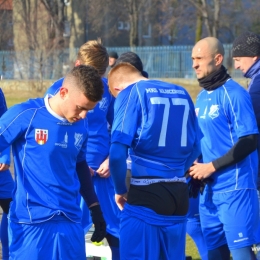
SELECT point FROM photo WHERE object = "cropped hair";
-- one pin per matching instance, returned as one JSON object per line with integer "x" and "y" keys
{"x": 88, "y": 81}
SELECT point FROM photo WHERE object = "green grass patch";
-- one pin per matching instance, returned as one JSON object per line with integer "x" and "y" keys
{"x": 191, "y": 249}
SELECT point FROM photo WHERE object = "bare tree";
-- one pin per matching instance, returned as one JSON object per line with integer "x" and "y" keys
{"x": 210, "y": 12}
{"x": 55, "y": 9}
{"x": 131, "y": 19}
{"x": 37, "y": 40}
{"x": 6, "y": 34}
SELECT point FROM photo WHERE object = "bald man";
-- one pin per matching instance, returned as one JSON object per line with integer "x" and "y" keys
{"x": 228, "y": 206}
{"x": 157, "y": 121}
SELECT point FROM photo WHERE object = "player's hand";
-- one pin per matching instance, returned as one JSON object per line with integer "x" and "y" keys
{"x": 103, "y": 170}
{"x": 201, "y": 171}
{"x": 99, "y": 223}
{"x": 4, "y": 167}
{"x": 121, "y": 200}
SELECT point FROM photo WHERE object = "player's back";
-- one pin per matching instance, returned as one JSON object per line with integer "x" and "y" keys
{"x": 166, "y": 128}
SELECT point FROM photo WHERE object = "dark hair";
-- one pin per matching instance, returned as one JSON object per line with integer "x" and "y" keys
{"x": 134, "y": 60}
{"x": 88, "y": 81}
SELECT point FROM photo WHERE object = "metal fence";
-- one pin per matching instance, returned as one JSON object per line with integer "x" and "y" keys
{"x": 159, "y": 62}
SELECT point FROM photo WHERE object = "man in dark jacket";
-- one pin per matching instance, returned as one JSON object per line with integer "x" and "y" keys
{"x": 246, "y": 55}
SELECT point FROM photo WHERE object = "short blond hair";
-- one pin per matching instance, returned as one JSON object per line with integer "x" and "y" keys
{"x": 121, "y": 75}
{"x": 95, "y": 54}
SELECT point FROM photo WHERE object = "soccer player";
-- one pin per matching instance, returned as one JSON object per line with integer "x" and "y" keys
{"x": 157, "y": 121}
{"x": 6, "y": 187}
{"x": 49, "y": 142}
{"x": 246, "y": 56}
{"x": 95, "y": 54}
{"x": 229, "y": 204}
{"x": 193, "y": 220}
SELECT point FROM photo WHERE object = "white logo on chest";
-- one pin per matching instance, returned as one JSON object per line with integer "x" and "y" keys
{"x": 213, "y": 111}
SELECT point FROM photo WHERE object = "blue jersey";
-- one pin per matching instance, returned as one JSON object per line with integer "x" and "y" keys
{"x": 157, "y": 120}
{"x": 98, "y": 120}
{"x": 224, "y": 115}
{"x": 46, "y": 148}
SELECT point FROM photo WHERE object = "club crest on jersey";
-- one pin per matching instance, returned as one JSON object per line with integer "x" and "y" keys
{"x": 78, "y": 140}
{"x": 41, "y": 136}
{"x": 103, "y": 104}
{"x": 213, "y": 111}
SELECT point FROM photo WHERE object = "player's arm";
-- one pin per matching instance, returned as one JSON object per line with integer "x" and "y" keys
{"x": 4, "y": 155}
{"x": 89, "y": 195}
{"x": 5, "y": 159}
{"x": 196, "y": 150}
{"x": 118, "y": 169}
{"x": 241, "y": 114}
{"x": 242, "y": 148}
{"x": 86, "y": 186}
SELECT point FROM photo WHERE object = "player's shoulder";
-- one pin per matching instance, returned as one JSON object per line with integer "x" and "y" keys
{"x": 28, "y": 106}
{"x": 234, "y": 89}
{"x": 232, "y": 84}
{"x": 162, "y": 84}
{"x": 54, "y": 88}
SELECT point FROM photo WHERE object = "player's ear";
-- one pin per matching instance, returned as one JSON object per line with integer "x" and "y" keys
{"x": 218, "y": 59}
{"x": 63, "y": 92}
{"x": 77, "y": 63}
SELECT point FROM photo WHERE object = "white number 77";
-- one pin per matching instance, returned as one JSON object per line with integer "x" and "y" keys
{"x": 175, "y": 102}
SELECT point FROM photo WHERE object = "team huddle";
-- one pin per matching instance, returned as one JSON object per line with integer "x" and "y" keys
{"x": 194, "y": 168}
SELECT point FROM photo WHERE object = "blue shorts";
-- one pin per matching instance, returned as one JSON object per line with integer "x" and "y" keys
{"x": 147, "y": 235}
{"x": 229, "y": 218}
{"x": 58, "y": 238}
{"x": 106, "y": 195}
{"x": 193, "y": 212}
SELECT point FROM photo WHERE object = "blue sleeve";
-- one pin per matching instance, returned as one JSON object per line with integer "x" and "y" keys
{"x": 240, "y": 112}
{"x": 196, "y": 152}
{"x": 54, "y": 88}
{"x": 127, "y": 116}
{"x": 13, "y": 124}
{"x": 87, "y": 190}
{"x": 5, "y": 155}
{"x": 83, "y": 151}
{"x": 3, "y": 106}
{"x": 117, "y": 165}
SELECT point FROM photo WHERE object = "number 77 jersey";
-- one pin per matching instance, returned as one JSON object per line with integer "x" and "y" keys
{"x": 157, "y": 120}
